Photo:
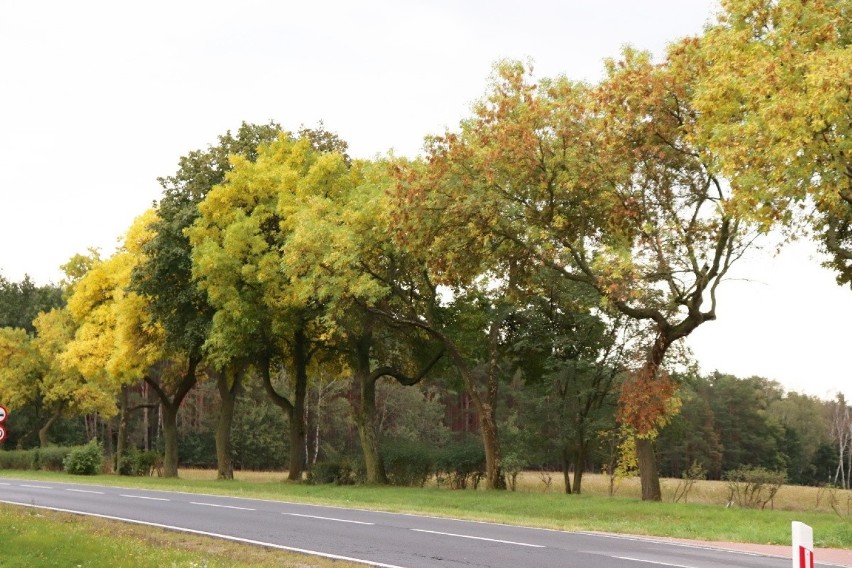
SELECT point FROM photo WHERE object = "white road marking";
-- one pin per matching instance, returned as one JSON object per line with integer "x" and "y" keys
{"x": 328, "y": 519}
{"x": 214, "y": 535}
{"x": 85, "y": 491}
{"x": 5, "y": 484}
{"x": 148, "y": 498}
{"x": 481, "y": 538}
{"x": 221, "y": 506}
{"x": 37, "y": 486}
{"x": 653, "y": 562}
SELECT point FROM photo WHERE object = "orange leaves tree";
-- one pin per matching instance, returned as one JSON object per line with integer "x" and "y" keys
{"x": 599, "y": 185}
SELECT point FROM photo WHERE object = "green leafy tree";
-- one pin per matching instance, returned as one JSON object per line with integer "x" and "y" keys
{"x": 340, "y": 253}
{"x": 174, "y": 299}
{"x": 238, "y": 242}
{"x": 749, "y": 436}
{"x": 21, "y": 302}
{"x": 573, "y": 363}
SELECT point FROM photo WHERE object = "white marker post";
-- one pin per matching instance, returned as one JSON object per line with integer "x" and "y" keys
{"x": 803, "y": 545}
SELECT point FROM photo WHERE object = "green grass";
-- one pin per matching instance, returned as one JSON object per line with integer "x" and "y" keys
{"x": 702, "y": 521}
{"x": 35, "y": 537}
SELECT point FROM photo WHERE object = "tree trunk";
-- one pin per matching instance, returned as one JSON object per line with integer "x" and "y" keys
{"x": 488, "y": 415}
{"x": 491, "y": 443}
{"x": 44, "y": 431}
{"x": 109, "y": 448}
{"x": 579, "y": 466}
{"x": 365, "y": 418}
{"x": 566, "y": 469}
{"x": 298, "y": 429}
{"x": 169, "y": 410}
{"x": 170, "y": 438}
{"x": 146, "y": 427}
{"x": 365, "y": 412}
{"x": 121, "y": 442}
{"x": 648, "y": 475}
{"x": 228, "y": 384}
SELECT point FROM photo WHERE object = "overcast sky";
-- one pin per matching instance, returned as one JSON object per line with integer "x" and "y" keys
{"x": 97, "y": 99}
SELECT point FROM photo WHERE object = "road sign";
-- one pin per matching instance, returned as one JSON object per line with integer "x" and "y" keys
{"x": 2, "y": 433}
{"x": 3, "y": 413}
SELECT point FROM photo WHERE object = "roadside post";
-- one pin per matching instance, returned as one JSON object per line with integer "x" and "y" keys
{"x": 803, "y": 545}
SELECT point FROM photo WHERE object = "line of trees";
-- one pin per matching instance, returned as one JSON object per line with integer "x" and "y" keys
{"x": 566, "y": 237}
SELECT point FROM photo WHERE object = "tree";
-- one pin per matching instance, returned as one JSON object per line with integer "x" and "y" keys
{"x": 774, "y": 107}
{"x": 34, "y": 374}
{"x": 339, "y": 253}
{"x": 747, "y": 432}
{"x": 841, "y": 436}
{"x": 692, "y": 437}
{"x": 238, "y": 242}
{"x": 165, "y": 278}
{"x": 804, "y": 418}
{"x": 600, "y": 185}
{"x": 572, "y": 361}
{"x": 114, "y": 343}
{"x": 21, "y": 302}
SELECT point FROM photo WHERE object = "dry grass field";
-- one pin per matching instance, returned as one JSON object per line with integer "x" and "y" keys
{"x": 788, "y": 498}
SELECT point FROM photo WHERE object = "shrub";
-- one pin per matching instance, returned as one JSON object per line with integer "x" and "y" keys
{"x": 408, "y": 462}
{"x": 46, "y": 459}
{"x": 339, "y": 472}
{"x": 689, "y": 477}
{"x": 512, "y": 465}
{"x": 51, "y": 458}
{"x": 16, "y": 459}
{"x": 137, "y": 462}
{"x": 85, "y": 460}
{"x": 461, "y": 464}
{"x": 753, "y": 487}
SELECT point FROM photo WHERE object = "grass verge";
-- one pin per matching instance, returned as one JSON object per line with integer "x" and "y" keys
{"x": 624, "y": 515}
{"x": 36, "y": 537}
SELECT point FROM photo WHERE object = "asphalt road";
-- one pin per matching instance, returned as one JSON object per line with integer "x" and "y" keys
{"x": 375, "y": 538}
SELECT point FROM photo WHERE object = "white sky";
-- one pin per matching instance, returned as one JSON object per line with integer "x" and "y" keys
{"x": 97, "y": 99}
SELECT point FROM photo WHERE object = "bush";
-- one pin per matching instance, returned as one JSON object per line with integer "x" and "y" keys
{"x": 339, "y": 472}
{"x": 753, "y": 487}
{"x": 85, "y": 460}
{"x": 408, "y": 462}
{"x": 198, "y": 450}
{"x": 137, "y": 462}
{"x": 46, "y": 459}
{"x": 16, "y": 459}
{"x": 513, "y": 464}
{"x": 51, "y": 458}
{"x": 461, "y": 464}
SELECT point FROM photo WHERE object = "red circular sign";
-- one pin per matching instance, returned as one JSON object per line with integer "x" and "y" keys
{"x": 3, "y": 413}
{"x": 2, "y": 433}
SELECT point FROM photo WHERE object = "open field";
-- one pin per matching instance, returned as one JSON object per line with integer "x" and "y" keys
{"x": 593, "y": 511}
{"x": 33, "y": 537}
{"x": 789, "y": 498}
